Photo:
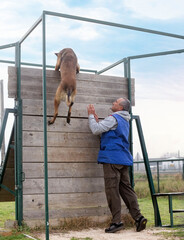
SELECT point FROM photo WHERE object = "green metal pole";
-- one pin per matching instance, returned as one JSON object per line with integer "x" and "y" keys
{"x": 128, "y": 75}
{"x": 125, "y": 68}
{"x": 170, "y": 209}
{"x": 8, "y": 45}
{"x": 156, "y": 54}
{"x": 111, "y": 66}
{"x": 16, "y": 167}
{"x": 148, "y": 171}
{"x": 47, "y": 66}
{"x": 19, "y": 134}
{"x": 113, "y": 24}
{"x": 45, "y": 128}
{"x": 158, "y": 177}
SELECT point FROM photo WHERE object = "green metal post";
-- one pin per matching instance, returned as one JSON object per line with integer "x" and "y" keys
{"x": 45, "y": 128}
{"x": 111, "y": 66}
{"x": 170, "y": 209}
{"x": 183, "y": 170}
{"x": 16, "y": 167}
{"x": 125, "y": 68}
{"x": 158, "y": 177}
{"x": 19, "y": 135}
{"x": 148, "y": 171}
{"x": 127, "y": 73}
{"x": 113, "y": 24}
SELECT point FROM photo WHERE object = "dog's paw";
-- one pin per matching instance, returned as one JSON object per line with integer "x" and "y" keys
{"x": 68, "y": 120}
{"x": 50, "y": 122}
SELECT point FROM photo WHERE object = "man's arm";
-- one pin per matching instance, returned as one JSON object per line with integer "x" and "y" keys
{"x": 109, "y": 123}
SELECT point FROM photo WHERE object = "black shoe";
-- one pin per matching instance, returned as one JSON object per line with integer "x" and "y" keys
{"x": 114, "y": 227}
{"x": 141, "y": 224}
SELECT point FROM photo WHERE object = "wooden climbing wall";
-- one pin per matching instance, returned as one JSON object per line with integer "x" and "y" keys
{"x": 75, "y": 180}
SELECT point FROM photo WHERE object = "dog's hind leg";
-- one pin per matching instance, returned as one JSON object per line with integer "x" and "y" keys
{"x": 56, "y": 106}
{"x": 69, "y": 112}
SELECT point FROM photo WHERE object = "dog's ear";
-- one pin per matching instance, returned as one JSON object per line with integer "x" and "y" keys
{"x": 56, "y": 54}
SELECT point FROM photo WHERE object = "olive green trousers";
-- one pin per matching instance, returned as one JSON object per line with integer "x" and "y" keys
{"x": 117, "y": 186}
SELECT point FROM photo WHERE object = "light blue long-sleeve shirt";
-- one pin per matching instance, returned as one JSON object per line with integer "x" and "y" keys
{"x": 109, "y": 123}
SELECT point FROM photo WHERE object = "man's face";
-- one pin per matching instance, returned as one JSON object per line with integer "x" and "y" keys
{"x": 115, "y": 105}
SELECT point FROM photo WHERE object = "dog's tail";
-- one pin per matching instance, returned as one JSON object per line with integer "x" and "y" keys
{"x": 68, "y": 97}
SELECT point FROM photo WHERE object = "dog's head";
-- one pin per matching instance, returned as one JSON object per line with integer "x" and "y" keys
{"x": 58, "y": 63}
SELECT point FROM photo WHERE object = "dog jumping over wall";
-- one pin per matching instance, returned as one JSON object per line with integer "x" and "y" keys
{"x": 66, "y": 91}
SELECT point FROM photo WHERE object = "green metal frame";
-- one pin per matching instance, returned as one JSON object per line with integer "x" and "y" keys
{"x": 18, "y": 102}
{"x": 148, "y": 171}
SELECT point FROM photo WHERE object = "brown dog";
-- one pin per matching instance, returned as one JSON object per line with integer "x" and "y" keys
{"x": 66, "y": 91}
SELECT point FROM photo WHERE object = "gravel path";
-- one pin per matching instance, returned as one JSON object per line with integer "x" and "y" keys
{"x": 99, "y": 234}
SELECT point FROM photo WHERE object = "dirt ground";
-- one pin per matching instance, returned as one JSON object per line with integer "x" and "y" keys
{"x": 99, "y": 234}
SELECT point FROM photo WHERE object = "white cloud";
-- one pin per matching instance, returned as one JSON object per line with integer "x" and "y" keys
{"x": 162, "y": 125}
{"x": 156, "y": 9}
{"x": 64, "y": 29}
{"x": 16, "y": 20}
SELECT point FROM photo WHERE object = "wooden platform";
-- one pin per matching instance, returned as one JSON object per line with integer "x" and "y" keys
{"x": 76, "y": 185}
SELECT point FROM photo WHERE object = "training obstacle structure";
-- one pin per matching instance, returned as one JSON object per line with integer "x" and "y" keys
{"x": 75, "y": 180}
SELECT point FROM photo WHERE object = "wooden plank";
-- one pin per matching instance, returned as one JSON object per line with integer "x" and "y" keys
{"x": 61, "y": 139}
{"x": 64, "y": 185}
{"x": 37, "y": 73}
{"x": 63, "y": 170}
{"x": 35, "y": 123}
{"x": 52, "y": 83}
{"x": 103, "y": 94}
{"x": 69, "y": 200}
{"x": 87, "y": 85}
{"x": 35, "y": 107}
{"x": 67, "y": 213}
{"x": 88, "y": 99}
{"x": 58, "y": 154}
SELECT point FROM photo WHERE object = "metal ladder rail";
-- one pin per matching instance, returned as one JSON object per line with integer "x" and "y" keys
{"x": 148, "y": 170}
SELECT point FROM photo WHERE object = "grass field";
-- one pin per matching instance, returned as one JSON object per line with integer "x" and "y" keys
{"x": 7, "y": 209}
{"x": 147, "y": 210}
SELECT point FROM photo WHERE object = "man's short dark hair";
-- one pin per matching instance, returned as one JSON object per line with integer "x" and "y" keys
{"x": 126, "y": 104}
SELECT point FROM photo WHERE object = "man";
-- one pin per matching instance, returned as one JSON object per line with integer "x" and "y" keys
{"x": 115, "y": 156}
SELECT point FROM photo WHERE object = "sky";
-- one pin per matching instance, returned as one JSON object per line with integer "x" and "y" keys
{"x": 159, "y": 83}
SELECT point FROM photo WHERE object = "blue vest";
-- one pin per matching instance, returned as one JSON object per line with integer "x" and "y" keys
{"x": 114, "y": 147}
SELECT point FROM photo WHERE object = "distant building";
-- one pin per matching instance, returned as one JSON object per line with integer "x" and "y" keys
{"x": 170, "y": 166}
